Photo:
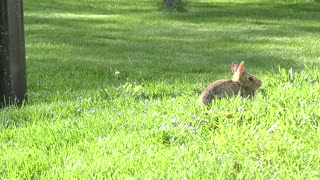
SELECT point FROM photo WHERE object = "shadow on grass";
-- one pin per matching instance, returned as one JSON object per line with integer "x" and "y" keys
{"x": 232, "y": 12}
{"x": 261, "y": 34}
{"x": 263, "y": 23}
{"x": 282, "y": 20}
{"x": 97, "y": 7}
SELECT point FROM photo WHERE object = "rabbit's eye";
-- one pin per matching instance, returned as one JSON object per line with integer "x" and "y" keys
{"x": 250, "y": 78}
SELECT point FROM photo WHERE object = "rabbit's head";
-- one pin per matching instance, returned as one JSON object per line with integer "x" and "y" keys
{"x": 243, "y": 78}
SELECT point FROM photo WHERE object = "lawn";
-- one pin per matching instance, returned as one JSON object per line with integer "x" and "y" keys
{"x": 113, "y": 89}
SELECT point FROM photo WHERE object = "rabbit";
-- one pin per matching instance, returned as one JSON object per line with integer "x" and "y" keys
{"x": 241, "y": 82}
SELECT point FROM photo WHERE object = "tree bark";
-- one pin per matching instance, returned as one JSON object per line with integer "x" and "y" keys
{"x": 13, "y": 88}
{"x": 169, "y": 4}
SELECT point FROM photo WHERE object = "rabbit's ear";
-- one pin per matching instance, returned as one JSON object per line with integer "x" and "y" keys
{"x": 234, "y": 67}
{"x": 240, "y": 68}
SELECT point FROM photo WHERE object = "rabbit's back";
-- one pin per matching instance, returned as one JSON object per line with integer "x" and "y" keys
{"x": 219, "y": 89}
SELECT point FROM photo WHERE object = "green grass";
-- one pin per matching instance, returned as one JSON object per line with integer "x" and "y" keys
{"x": 82, "y": 122}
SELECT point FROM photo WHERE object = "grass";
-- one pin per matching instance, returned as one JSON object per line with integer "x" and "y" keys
{"x": 82, "y": 122}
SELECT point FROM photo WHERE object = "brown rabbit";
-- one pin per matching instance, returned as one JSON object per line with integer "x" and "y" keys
{"x": 241, "y": 81}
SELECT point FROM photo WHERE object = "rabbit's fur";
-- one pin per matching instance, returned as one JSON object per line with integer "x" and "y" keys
{"x": 241, "y": 82}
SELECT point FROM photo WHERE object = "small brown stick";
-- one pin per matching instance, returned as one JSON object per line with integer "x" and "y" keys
{"x": 105, "y": 67}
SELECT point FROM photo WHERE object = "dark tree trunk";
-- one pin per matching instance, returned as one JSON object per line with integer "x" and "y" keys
{"x": 169, "y": 4}
{"x": 12, "y": 54}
